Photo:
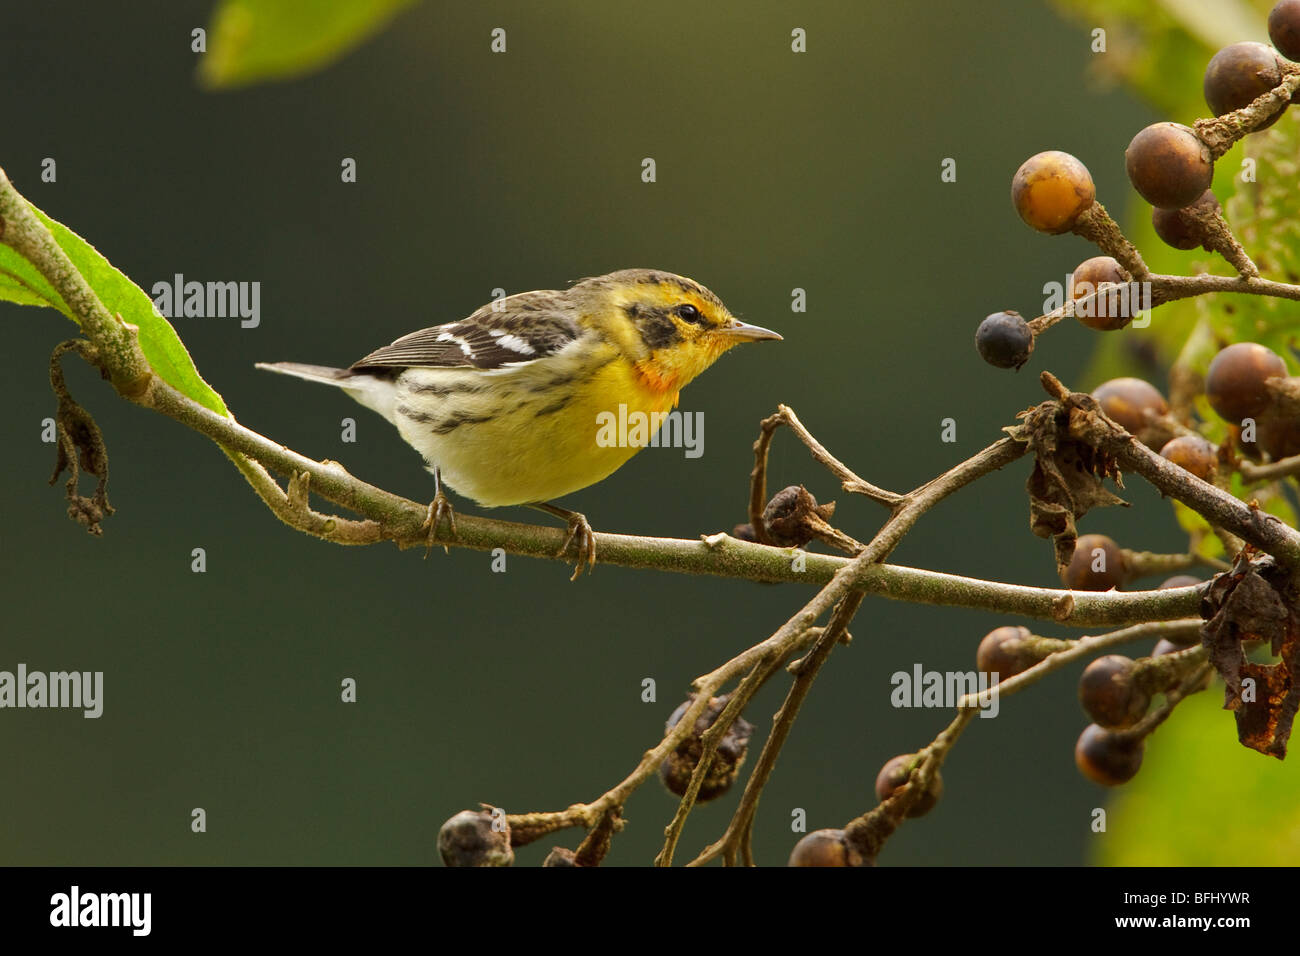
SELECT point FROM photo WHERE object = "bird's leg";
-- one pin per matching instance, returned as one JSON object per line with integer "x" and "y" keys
{"x": 580, "y": 536}
{"x": 439, "y": 508}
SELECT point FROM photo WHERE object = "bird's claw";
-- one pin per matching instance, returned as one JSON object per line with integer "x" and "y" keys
{"x": 584, "y": 541}
{"x": 439, "y": 508}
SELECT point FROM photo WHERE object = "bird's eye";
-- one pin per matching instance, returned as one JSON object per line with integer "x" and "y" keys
{"x": 690, "y": 314}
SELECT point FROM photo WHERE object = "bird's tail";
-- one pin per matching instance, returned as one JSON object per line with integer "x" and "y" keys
{"x": 371, "y": 391}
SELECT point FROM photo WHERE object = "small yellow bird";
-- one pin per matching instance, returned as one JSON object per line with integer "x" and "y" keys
{"x": 506, "y": 405}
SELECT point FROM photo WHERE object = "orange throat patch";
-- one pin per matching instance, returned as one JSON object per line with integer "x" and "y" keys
{"x": 657, "y": 382}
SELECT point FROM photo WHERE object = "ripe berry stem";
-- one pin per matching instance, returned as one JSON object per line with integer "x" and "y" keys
{"x": 1222, "y": 132}
{"x": 1096, "y": 225}
{"x": 1142, "y": 563}
{"x": 1195, "y": 681}
{"x": 1158, "y": 675}
{"x": 1219, "y": 238}
{"x": 1284, "y": 468}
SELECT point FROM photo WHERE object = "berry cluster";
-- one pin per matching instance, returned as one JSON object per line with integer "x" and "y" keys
{"x": 1247, "y": 385}
{"x": 1171, "y": 166}
{"x": 1115, "y": 691}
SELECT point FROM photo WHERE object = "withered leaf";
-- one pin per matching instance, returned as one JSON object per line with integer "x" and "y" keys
{"x": 1066, "y": 482}
{"x": 1255, "y": 602}
{"x": 1264, "y": 724}
{"x": 81, "y": 448}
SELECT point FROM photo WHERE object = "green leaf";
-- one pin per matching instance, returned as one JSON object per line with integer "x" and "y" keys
{"x": 21, "y": 283}
{"x": 255, "y": 40}
{"x": 1202, "y": 799}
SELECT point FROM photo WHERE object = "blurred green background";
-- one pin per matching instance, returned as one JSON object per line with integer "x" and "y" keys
{"x": 521, "y": 171}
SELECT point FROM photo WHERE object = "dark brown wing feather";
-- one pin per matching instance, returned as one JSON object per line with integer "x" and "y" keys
{"x": 527, "y": 327}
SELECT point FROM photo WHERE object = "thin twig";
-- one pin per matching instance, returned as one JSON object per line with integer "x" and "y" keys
{"x": 904, "y": 517}
{"x": 737, "y": 836}
{"x": 293, "y": 509}
{"x": 1282, "y": 468}
{"x": 526, "y": 827}
{"x": 1193, "y": 683}
{"x": 1168, "y": 288}
{"x": 751, "y": 684}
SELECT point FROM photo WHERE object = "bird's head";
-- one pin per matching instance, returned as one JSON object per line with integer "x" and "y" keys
{"x": 672, "y": 327}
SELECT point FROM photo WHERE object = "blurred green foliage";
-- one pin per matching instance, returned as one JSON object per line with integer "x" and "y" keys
{"x": 255, "y": 40}
{"x": 1202, "y": 799}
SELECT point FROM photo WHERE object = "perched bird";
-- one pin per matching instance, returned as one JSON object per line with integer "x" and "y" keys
{"x": 504, "y": 405}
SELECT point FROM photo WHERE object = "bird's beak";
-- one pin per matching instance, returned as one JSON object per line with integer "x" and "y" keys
{"x": 747, "y": 333}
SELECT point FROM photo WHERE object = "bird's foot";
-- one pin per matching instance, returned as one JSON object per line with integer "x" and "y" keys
{"x": 583, "y": 540}
{"x": 581, "y": 537}
{"x": 440, "y": 508}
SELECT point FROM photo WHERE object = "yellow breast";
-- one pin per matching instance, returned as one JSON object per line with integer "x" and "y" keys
{"x": 548, "y": 438}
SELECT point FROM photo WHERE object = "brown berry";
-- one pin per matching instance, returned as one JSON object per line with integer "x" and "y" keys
{"x": 561, "y": 856}
{"x": 677, "y": 769}
{"x": 1004, "y": 651}
{"x": 1178, "y": 228}
{"x": 1238, "y": 75}
{"x": 1168, "y": 165}
{"x": 1110, "y": 309}
{"x": 1096, "y": 565}
{"x": 1109, "y": 693}
{"x": 476, "y": 838}
{"x": 1193, "y": 453}
{"x": 1284, "y": 28}
{"x": 1234, "y": 383}
{"x": 1106, "y": 758}
{"x": 1051, "y": 190}
{"x": 793, "y": 517}
{"x": 895, "y": 773}
{"x": 825, "y": 848}
{"x": 1129, "y": 401}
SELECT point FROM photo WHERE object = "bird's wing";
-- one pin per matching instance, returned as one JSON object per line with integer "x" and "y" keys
{"x": 512, "y": 331}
